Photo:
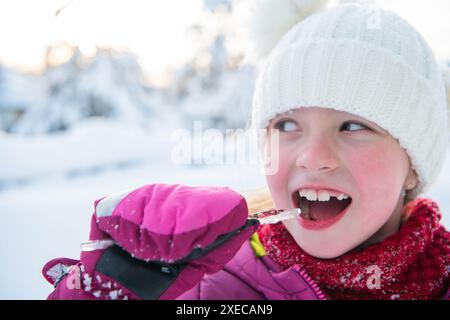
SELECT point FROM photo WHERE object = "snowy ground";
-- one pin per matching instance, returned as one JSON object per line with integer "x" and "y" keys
{"x": 48, "y": 185}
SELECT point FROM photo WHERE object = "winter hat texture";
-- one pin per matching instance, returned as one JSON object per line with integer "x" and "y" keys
{"x": 366, "y": 61}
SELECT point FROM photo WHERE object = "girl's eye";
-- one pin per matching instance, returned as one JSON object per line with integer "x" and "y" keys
{"x": 286, "y": 126}
{"x": 353, "y": 126}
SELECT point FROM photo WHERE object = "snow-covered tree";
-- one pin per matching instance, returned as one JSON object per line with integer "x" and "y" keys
{"x": 210, "y": 87}
{"x": 107, "y": 85}
{"x": 17, "y": 92}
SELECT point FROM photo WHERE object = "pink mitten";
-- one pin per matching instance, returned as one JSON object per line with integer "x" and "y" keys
{"x": 156, "y": 242}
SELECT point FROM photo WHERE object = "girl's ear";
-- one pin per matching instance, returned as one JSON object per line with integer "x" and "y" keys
{"x": 411, "y": 180}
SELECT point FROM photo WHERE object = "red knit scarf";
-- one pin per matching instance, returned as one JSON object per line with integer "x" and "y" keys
{"x": 414, "y": 262}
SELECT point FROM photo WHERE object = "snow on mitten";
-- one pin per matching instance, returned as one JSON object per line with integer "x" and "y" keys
{"x": 159, "y": 240}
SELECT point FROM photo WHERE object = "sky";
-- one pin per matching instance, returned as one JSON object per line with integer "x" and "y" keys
{"x": 154, "y": 29}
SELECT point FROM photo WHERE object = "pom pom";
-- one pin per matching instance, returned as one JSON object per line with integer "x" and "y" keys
{"x": 446, "y": 77}
{"x": 262, "y": 23}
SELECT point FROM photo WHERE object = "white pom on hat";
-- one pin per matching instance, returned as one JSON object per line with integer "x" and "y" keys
{"x": 264, "y": 22}
{"x": 446, "y": 76}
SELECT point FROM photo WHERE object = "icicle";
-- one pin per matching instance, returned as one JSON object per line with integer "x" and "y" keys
{"x": 275, "y": 216}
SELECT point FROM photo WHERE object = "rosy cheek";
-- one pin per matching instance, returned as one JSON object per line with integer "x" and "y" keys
{"x": 277, "y": 181}
{"x": 377, "y": 174}
{"x": 378, "y": 166}
{"x": 368, "y": 168}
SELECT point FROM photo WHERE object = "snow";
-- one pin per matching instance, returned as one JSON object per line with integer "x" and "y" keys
{"x": 97, "y": 293}
{"x": 87, "y": 281}
{"x": 15, "y": 88}
{"x": 81, "y": 88}
{"x": 86, "y": 150}
{"x": 113, "y": 294}
{"x": 57, "y": 271}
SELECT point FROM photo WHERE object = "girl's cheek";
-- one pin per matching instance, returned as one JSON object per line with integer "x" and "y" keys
{"x": 375, "y": 168}
{"x": 277, "y": 181}
{"x": 365, "y": 167}
{"x": 378, "y": 174}
{"x": 278, "y": 191}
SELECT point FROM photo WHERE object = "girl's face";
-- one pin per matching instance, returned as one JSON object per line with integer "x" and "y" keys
{"x": 330, "y": 155}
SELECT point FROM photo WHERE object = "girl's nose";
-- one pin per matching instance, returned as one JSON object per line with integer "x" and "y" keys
{"x": 318, "y": 155}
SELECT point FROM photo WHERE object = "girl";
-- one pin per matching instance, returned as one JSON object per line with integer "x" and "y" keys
{"x": 356, "y": 106}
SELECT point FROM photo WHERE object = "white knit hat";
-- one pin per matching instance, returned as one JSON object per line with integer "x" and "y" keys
{"x": 365, "y": 61}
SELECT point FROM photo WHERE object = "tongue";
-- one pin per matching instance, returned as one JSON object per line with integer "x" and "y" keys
{"x": 324, "y": 210}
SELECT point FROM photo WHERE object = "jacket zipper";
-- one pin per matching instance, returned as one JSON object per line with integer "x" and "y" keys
{"x": 319, "y": 293}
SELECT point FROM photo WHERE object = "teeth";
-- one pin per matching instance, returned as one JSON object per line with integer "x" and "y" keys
{"x": 342, "y": 196}
{"x": 311, "y": 195}
{"x": 324, "y": 196}
{"x": 321, "y": 195}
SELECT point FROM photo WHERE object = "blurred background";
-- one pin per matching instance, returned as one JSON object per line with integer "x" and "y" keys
{"x": 91, "y": 93}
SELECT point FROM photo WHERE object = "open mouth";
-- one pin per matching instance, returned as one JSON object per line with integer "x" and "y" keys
{"x": 320, "y": 205}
